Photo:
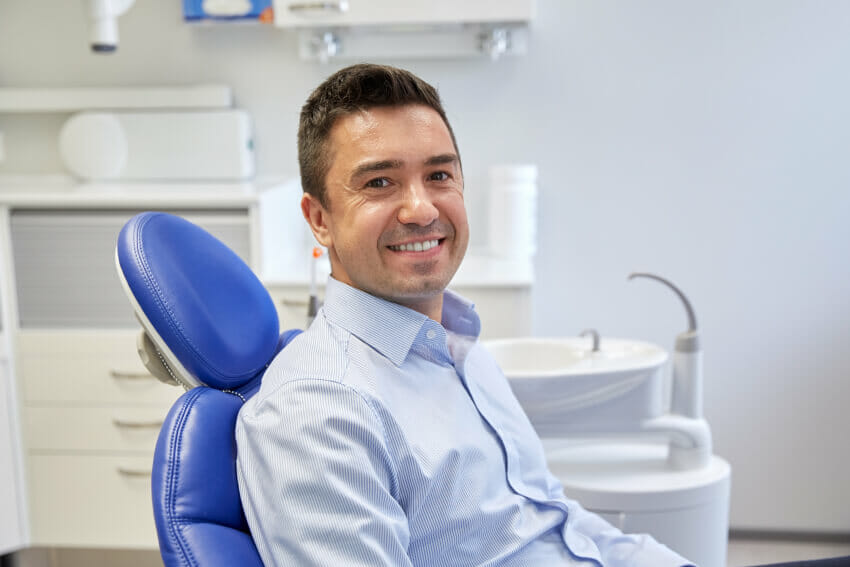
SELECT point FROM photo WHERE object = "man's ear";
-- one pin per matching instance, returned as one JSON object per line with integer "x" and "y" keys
{"x": 317, "y": 217}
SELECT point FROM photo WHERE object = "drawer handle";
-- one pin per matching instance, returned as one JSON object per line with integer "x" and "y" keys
{"x": 136, "y": 473}
{"x": 300, "y": 7}
{"x": 129, "y": 424}
{"x": 295, "y": 303}
{"x": 119, "y": 375}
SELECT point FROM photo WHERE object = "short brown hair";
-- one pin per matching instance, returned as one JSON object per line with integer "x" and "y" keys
{"x": 353, "y": 89}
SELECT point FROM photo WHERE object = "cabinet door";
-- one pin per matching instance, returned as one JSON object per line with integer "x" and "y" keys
{"x": 309, "y": 14}
{"x": 65, "y": 263}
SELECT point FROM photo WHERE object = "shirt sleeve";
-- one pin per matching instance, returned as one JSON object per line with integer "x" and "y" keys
{"x": 316, "y": 479}
{"x": 622, "y": 550}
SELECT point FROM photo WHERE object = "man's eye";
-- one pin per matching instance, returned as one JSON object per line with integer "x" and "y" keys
{"x": 439, "y": 176}
{"x": 378, "y": 182}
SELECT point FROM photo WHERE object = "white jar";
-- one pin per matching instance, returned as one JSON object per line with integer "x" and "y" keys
{"x": 513, "y": 211}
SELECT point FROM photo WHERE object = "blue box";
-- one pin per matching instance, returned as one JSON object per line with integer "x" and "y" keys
{"x": 200, "y": 10}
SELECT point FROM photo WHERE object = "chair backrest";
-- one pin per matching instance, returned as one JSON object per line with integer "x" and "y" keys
{"x": 210, "y": 325}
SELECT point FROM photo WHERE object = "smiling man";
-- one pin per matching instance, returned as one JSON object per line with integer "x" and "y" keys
{"x": 391, "y": 210}
{"x": 385, "y": 435}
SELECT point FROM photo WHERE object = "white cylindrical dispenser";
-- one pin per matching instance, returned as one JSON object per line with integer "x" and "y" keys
{"x": 513, "y": 211}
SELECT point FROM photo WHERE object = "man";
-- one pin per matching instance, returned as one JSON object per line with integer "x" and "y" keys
{"x": 385, "y": 435}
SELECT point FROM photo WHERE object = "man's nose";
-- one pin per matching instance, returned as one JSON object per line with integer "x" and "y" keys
{"x": 417, "y": 206}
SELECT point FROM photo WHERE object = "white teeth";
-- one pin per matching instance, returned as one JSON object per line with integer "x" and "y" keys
{"x": 415, "y": 246}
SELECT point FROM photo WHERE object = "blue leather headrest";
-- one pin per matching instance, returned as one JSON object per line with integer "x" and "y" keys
{"x": 204, "y": 303}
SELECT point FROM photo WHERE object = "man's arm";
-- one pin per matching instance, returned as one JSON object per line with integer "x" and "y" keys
{"x": 316, "y": 479}
{"x": 623, "y": 550}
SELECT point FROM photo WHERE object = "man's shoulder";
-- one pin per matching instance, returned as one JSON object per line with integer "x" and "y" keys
{"x": 317, "y": 353}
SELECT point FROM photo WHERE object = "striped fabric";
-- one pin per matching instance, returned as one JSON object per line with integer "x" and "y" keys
{"x": 381, "y": 438}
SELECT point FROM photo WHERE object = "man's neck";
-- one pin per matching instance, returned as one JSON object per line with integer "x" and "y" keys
{"x": 431, "y": 307}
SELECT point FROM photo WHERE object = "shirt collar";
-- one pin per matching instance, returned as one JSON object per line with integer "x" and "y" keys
{"x": 388, "y": 327}
{"x": 459, "y": 315}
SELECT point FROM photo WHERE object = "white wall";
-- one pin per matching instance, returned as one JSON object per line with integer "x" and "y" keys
{"x": 707, "y": 142}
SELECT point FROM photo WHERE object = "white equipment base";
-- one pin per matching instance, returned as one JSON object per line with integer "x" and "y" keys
{"x": 632, "y": 486}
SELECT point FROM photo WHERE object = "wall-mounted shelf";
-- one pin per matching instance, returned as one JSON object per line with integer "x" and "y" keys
{"x": 73, "y": 99}
{"x": 411, "y": 13}
{"x": 357, "y": 29}
{"x": 444, "y": 41}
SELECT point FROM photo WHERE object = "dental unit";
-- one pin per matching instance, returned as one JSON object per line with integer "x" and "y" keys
{"x": 622, "y": 439}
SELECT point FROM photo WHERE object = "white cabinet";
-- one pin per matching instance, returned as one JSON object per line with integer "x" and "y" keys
{"x": 90, "y": 412}
{"x": 305, "y": 13}
{"x": 91, "y": 415}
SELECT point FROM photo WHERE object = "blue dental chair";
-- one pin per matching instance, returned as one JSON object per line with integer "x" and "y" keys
{"x": 210, "y": 326}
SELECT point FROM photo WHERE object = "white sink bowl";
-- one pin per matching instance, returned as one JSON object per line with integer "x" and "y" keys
{"x": 566, "y": 387}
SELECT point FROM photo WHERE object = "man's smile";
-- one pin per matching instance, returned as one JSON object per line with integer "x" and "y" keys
{"x": 420, "y": 246}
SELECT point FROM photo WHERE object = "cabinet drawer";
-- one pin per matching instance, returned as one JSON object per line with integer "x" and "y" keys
{"x": 91, "y": 501}
{"x": 114, "y": 430}
{"x": 87, "y": 367}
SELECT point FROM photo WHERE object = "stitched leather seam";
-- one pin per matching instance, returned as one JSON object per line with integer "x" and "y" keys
{"x": 152, "y": 284}
{"x": 198, "y": 521}
{"x": 173, "y": 474}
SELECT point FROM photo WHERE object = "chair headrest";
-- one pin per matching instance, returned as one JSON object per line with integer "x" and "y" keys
{"x": 202, "y": 307}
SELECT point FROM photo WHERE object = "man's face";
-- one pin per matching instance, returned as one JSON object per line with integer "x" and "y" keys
{"x": 395, "y": 225}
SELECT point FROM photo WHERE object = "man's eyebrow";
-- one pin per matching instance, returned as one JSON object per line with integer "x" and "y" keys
{"x": 373, "y": 166}
{"x": 441, "y": 159}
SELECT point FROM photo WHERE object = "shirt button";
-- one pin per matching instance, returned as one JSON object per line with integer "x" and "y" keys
{"x": 431, "y": 333}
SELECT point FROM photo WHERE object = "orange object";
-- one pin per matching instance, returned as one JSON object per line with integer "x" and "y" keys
{"x": 267, "y": 15}
{"x": 317, "y": 252}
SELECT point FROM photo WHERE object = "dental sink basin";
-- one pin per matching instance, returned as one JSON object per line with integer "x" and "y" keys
{"x": 608, "y": 390}
{"x": 567, "y": 387}
{"x": 530, "y": 358}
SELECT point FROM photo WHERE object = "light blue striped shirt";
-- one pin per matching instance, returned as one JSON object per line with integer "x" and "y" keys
{"x": 381, "y": 438}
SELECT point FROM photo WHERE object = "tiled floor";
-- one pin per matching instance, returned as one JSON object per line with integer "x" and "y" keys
{"x": 748, "y": 552}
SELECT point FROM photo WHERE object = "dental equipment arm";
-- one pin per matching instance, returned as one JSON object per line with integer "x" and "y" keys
{"x": 693, "y": 448}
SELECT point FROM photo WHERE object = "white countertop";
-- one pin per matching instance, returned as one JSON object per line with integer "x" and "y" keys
{"x": 66, "y": 192}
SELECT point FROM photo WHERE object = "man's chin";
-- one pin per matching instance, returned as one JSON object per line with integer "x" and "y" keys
{"x": 416, "y": 288}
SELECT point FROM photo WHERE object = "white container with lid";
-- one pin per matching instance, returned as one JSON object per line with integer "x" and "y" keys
{"x": 513, "y": 211}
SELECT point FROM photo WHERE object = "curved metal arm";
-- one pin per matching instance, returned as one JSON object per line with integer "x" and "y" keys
{"x": 593, "y": 333}
{"x": 692, "y": 319}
